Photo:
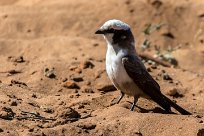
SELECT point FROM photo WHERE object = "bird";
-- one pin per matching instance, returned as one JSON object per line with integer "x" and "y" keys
{"x": 126, "y": 70}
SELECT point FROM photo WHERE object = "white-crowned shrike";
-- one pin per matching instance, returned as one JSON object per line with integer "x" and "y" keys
{"x": 125, "y": 69}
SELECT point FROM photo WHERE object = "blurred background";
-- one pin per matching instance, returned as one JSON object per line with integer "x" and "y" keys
{"x": 182, "y": 23}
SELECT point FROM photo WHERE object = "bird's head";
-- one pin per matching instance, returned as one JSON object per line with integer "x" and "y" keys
{"x": 115, "y": 31}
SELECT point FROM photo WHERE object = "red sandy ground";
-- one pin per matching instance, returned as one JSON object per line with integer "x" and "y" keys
{"x": 58, "y": 36}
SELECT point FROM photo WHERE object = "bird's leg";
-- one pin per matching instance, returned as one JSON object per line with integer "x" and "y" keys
{"x": 120, "y": 97}
{"x": 133, "y": 104}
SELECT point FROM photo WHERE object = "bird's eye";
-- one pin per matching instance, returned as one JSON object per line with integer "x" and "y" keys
{"x": 123, "y": 37}
{"x": 110, "y": 31}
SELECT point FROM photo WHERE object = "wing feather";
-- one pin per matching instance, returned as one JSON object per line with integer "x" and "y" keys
{"x": 137, "y": 71}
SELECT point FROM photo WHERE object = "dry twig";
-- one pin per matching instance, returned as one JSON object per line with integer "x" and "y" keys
{"x": 149, "y": 57}
{"x": 31, "y": 115}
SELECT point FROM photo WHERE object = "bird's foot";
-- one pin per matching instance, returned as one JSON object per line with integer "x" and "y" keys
{"x": 114, "y": 101}
{"x": 120, "y": 97}
{"x": 117, "y": 100}
{"x": 132, "y": 107}
{"x": 134, "y": 103}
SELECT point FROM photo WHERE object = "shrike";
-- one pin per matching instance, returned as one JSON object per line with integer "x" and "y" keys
{"x": 125, "y": 69}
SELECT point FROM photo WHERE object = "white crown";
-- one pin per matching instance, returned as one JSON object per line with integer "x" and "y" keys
{"x": 115, "y": 24}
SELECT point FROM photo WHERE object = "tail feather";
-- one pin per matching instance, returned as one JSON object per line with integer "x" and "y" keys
{"x": 177, "y": 107}
{"x": 166, "y": 103}
{"x": 159, "y": 99}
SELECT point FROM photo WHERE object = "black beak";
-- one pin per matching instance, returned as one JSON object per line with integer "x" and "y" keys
{"x": 99, "y": 32}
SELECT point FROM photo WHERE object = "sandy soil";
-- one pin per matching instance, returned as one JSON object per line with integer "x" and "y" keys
{"x": 52, "y": 68}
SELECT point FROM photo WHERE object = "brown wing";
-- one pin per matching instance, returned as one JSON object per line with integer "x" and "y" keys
{"x": 139, "y": 74}
{"x": 136, "y": 70}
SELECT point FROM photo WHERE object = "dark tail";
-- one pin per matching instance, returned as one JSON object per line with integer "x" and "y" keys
{"x": 166, "y": 103}
{"x": 177, "y": 107}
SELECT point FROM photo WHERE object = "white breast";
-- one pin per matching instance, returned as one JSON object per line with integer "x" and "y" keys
{"x": 114, "y": 66}
{"x": 117, "y": 72}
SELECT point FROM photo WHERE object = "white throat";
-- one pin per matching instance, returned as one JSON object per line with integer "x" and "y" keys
{"x": 114, "y": 51}
{"x": 108, "y": 38}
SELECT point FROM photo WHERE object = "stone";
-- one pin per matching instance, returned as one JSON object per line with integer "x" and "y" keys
{"x": 77, "y": 78}
{"x": 14, "y": 103}
{"x": 154, "y": 66}
{"x": 71, "y": 85}
{"x": 88, "y": 126}
{"x": 72, "y": 68}
{"x": 7, "y": 113}
{"x": 87, "y": 90}
{"x": 18, "y": 59}
{"x": 166, "y": 76}
{"x": 78, "y": 70}
{"x": 48, "y": 110}
{"x": 69, "y": 113}
{"x": 95, "y": 44}
{"x": 86, "y": 64}
{"x": 49, "y": 73}
{"x": 149, "y": 69}
{"x": 105, "y": 87}
{"x": 172, "y": 92}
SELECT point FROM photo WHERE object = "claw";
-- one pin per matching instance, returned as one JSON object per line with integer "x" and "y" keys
{"x": 134, "y": 103}
{"x": 120, "y": 97}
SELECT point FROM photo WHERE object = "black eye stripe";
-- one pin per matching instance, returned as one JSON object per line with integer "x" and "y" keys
{"x": 121, "y": 33}
{"x": 115, "y": 31}
{"x": 110, "y": 31}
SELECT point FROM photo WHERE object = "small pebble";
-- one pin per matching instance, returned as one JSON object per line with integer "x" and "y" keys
{"x": 78, "y": 70}
{"x": 49, "y": 73}
{"x": 105, "y": 87}
{"x": 87, "y": 90}
{"x": 88, "y": 126}
{"x": 71, "y": 85}
{"x": 14, "y": 103}
{"x": 95, "y": 44}
{"x": 77, "y": 79}
{"x": 172, "y": 92}
{"x": 64, "y": 80}
{"x": 166, "y": 77}
{"x": 86, "y": 64}
{"x": 201, "y": 121}
{"x": 149, "y": 69}
{"x": 72, "y": 68}
{"x": 154, "y": 66}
